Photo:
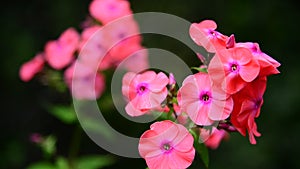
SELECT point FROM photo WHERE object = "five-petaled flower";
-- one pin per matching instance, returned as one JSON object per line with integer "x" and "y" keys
{"x": 203, "y": 103}
{"x": 167, "y": 145}
{"x": 144, "y": 91}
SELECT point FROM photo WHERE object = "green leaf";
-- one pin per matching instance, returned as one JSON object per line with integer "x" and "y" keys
{"x": 94, "y": 162}
{"x": 49, "y": 146}
{"x": 200, "y": 147}
{"x": 94, "y": 125}
{"x": 64, "y": 113}
{"x": 61, "y": 163}
{"x": 203, "y": 151}
{"x": 41, "y": 165}
{"x": 200, "y": 69}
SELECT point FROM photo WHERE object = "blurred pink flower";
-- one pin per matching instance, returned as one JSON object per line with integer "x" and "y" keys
{"x": 247, "y": 107}
{"x": 108, "y": 10}
{"x": 84, "y": 82}
{"x": 123, "y": 38}
{"x": 144, "y": 91}
{"x": 30, "y": 68}
{"x": 137, "y": 62}
{"x": 213, "y": 138}
{"x": 94, "y": 48}
{"x": 205, "y": 34}
{"x": 233, "y": 69}
{"x": 60, "y": 53}
{"x": 203, "y": 103}
{"x": 36, "y": 138}
{"x": 167, "y": 145}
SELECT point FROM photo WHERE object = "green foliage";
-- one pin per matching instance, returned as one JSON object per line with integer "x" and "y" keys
{"x": 48, "y": 146}
{"x": 199, "y": 69}
{"x": 200, "y": 147}
{"x": 94, "y": 162}
{"x": 41, "y": 165}
{"x": 61, "y": 163}
{"x": 64, "y": 113}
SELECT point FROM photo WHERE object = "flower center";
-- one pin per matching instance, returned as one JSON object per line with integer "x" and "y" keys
{"x": 212, "y": 33}
{"x": 142, "y": 88}
{"x": 234, "y": 67}
{"x": 166, "y": 147}
{"x": 205, "y": 97}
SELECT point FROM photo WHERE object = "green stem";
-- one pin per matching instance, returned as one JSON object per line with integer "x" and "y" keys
{"x": 75, "y": 146}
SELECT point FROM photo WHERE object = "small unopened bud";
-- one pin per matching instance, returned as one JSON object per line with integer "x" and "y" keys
{"x": 230, "y": 42}
{"x": 36, "y": 138}
{"x": 172, "y": 80}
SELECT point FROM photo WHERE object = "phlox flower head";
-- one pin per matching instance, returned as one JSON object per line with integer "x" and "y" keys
{"x": 144, "y": 91}
{"x": 94, "y": 48}
{"x": 205, "y": 34}
{"x": 268, "y": 65}
{"x": 136, "y": 62}
{"x": 84, "y": 82}
{"x": 247, "y": 107}
{"x": 233, "y": 68}
{"x": 60, "y": 53}
{"x": 30, "y": 68}
{"x": 123, "y": 38}
{"x": 203, "y": 103}
{"x": 108, "y": 10}
{"x": 167, "y": 145}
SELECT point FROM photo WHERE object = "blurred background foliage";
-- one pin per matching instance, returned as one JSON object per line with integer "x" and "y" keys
{"x": 27, "y": 25}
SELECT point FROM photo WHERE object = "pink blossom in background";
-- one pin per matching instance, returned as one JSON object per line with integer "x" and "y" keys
{"x": 144, "y": 91}
{"x": 108, "y": 10}
{"x": 233, "y": 69}
{"x": 60, "y": 53}
{"x": 30, "y": 68}
{"x": 213, "y": 138}
{"x": 201, "y": 102}
{"x": 123, "y": 37}
{"x": 137, "y": 62}
{"x": 94, "y": 48}
{"x": 247, "y": 107}
{"x": 167, "y": 145}
{"x": 36, "y": 138}
{"x": 205, "y": 34}
{"x": 83, "y": 82}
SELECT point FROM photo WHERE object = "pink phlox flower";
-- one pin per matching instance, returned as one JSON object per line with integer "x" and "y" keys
{"x": 247, "y": 107}
{"x": 108, "y": 10}
{"x": 205, "y": 34}
{"x": 212, "y": 138}
{"x": 136, "y": 62}
{"x": 94, "y": 48}
{"x": 268, "y": 65}
{"x": 30, "y": 68}
{"x": 167, "y": 145}
{"x": 233, "y": 68}
{"x": 60, "y": 53}
{"x": 203, "y": 103}
{"x": 123, "y": 37}
{"x": 144, "y": 91}
{"x": 84, "y": 82}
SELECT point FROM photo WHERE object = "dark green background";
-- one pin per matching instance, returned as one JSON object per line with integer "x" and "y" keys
{"x": 27, "y": 25}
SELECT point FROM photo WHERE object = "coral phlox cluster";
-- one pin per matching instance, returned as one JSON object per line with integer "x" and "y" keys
{"x": 228, "y": 89}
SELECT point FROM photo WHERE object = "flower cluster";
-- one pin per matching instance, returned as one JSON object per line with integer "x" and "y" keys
{"x": 108, "y": 37}
{"x": 225, "y": 95}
